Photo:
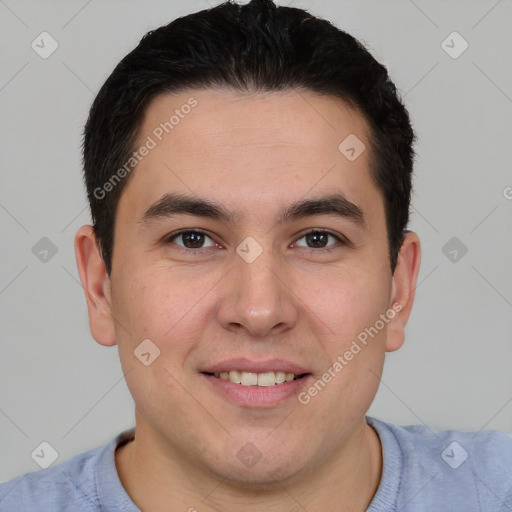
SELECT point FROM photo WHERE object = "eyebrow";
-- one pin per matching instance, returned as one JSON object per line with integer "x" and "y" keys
{"x": 172, "y": 204}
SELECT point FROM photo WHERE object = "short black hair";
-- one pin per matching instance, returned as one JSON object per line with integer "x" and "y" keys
{"x": 247, "y": 48}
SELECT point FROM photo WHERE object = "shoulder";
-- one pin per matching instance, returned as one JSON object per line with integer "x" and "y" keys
{"x": 459, "y": 469}
{"x": 71, "y": 485}
{"x": 68, "y": 485}
{"x": 486, "y": 449}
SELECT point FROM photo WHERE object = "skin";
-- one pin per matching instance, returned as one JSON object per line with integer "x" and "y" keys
{"x": 254, "y": 154}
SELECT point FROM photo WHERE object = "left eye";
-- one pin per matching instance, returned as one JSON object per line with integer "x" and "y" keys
{"x": 192, "y": 239}
{"x": 319, "y": 239}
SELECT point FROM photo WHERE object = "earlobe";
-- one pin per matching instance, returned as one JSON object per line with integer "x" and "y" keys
{"x": 403, "y": 289}
{"x": 96, "y": 285}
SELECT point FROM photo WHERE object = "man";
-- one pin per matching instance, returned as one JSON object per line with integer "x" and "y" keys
{"x": 249, "y": 175}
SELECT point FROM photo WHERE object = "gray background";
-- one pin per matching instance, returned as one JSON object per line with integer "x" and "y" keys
{"x": 58, "y": 385}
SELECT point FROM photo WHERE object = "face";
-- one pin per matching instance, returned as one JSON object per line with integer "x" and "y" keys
{"x": 281, "y": 272}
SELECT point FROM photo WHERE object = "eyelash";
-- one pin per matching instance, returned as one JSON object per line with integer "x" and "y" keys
{"x": 338, "y": 238}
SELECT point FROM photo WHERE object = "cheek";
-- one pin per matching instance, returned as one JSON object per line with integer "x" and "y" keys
{"x": 360, "y": 333}
{"x": 147, "y": 300}
{"x": 345, "y": 303}
{"x": 158, "y": 307}
{"x": 163, "y": 306}
{"x": 354, "y": 348}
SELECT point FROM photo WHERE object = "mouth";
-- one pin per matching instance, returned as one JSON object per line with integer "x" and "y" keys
{"x": 256, "y": 384}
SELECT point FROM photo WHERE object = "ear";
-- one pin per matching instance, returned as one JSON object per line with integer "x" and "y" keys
{"x": 96, "y": 285}
{"x": 403, "y": 289}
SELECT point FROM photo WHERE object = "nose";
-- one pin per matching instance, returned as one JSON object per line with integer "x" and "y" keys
{"x": 258, "y": 298}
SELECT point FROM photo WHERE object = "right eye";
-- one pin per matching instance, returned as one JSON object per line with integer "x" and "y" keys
{"x": 192, "y": 239}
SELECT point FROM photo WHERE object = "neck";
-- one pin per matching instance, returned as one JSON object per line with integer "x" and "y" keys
{"x": 157, "y": 482}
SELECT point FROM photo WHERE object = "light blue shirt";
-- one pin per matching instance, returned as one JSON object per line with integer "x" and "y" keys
{"x": 423, "y": 471}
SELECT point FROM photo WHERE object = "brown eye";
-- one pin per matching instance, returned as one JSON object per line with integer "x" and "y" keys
{"x": 318, "y": 239}
{"x": 191, "y": 239}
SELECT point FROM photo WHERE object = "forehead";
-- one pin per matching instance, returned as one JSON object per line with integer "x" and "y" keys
{"x": 224, "y": 118}
{"x": 243, "y": 148}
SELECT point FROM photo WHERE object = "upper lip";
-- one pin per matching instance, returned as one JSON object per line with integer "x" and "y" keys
{"x": 246, "y": 365}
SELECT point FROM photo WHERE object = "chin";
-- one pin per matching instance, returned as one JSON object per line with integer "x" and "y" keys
{"x": 268, "y": 477}
{"x": 255, "y": 469}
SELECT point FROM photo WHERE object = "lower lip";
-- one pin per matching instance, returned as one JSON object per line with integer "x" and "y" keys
{"x": 257, "y": 396}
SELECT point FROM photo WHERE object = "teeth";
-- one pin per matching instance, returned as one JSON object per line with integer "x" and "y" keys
{"x": 256, "y": 379}
{"x": 266, "y": 379}
{"x": 235, "y": 377}
{"x": 249, "y": 379}
{"x": 280, "y": 377}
